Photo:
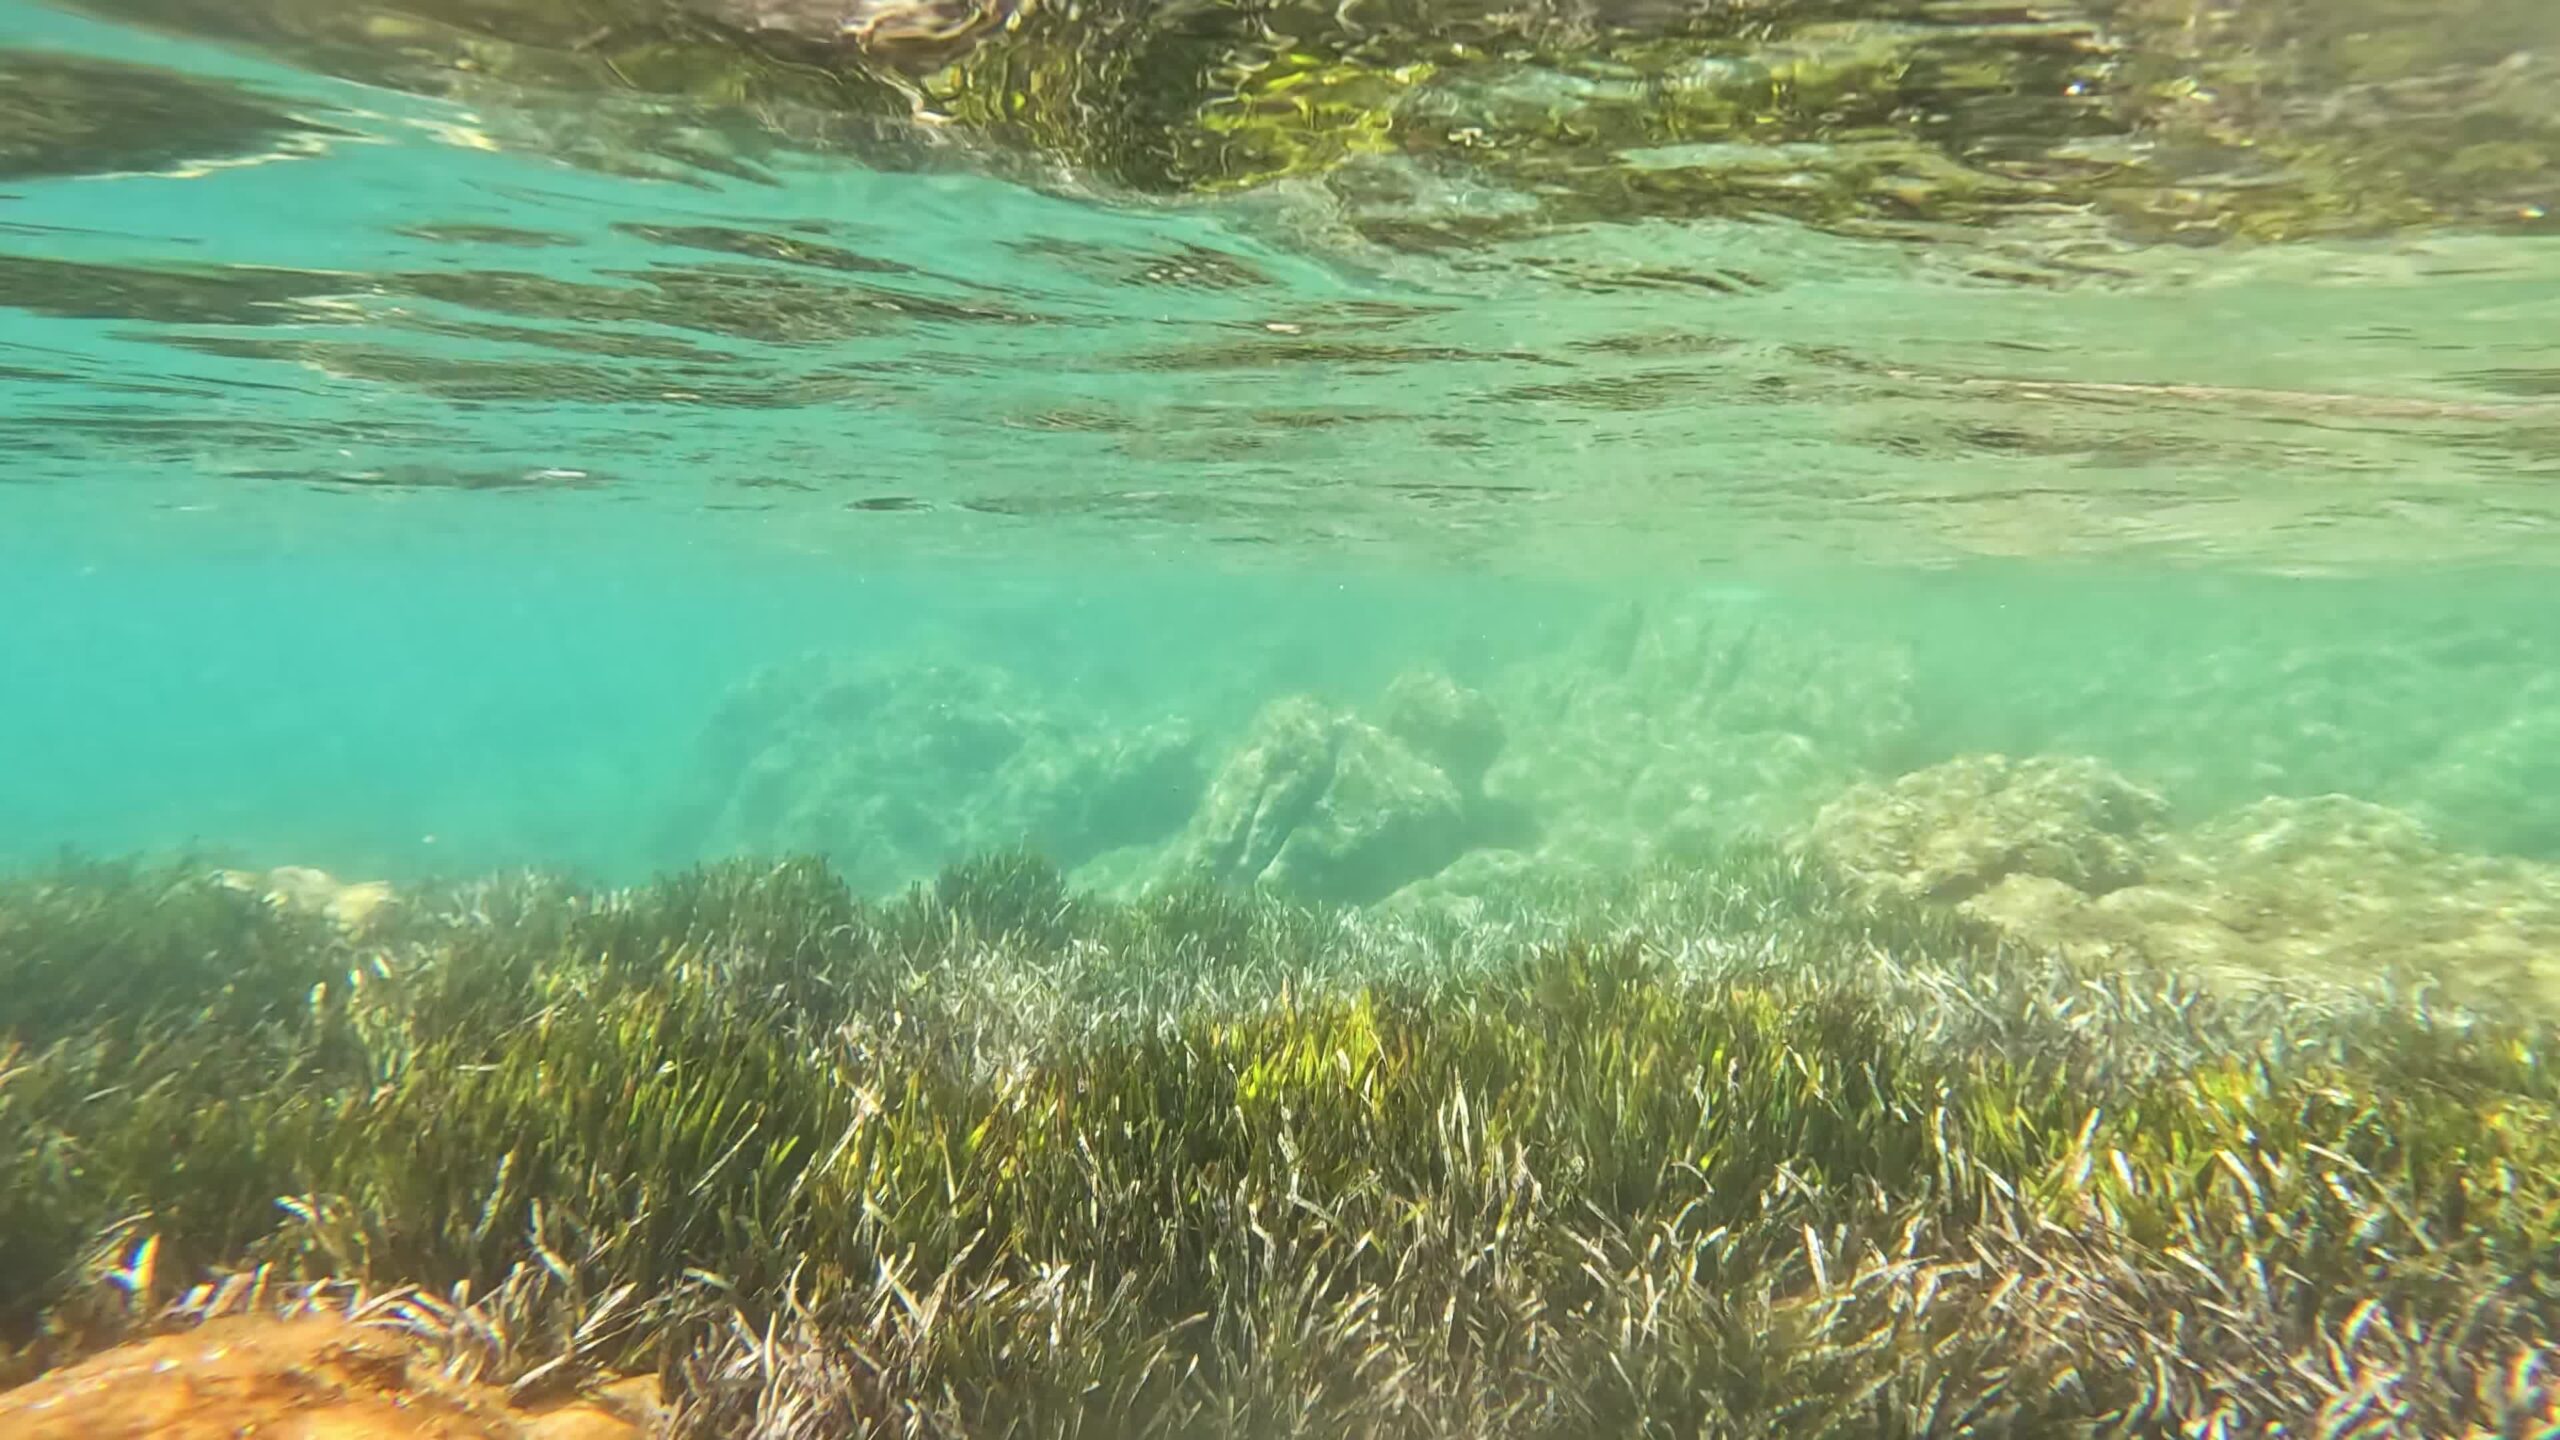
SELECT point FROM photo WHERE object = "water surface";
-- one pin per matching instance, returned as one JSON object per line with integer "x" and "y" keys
{"x": 419, "y": 419}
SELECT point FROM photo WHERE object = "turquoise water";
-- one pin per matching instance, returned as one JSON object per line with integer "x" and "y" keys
{"x": 1669, "y": 673}
{"x": 414, "y": 445}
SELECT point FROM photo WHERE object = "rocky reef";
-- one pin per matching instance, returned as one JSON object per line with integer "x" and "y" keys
{"x": 894, "y": 769}
{"x": 2441, "y": 701}
{"x": 2065, "y": 854}
{"x": 1685, "y": 722}
{"x": 1664, "y": 728}
{"x": 1956, "y": 831}
{"x": 1679, "y": 720}
{"x": 1323, "y": 805}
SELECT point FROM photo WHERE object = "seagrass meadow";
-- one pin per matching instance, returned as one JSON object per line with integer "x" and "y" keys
{"x": 1727, "y": 1147}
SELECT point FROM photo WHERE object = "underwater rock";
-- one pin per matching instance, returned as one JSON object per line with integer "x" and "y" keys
{"x": 1455, "y": 728}
{"x": 1953, "y": 831}
{"x": 1325, "y": 806}
{"x": 2496, "y": 784}
{"x": 1485, "y": 883}
{"x": 1681, "y": 722}
{"x": 2065, "y": 855}
{"x": 2446, "y": 706}
{"x": 893, "y": 770}
{"x": 309, "y": 1378}
{"x": 352, "y": 905}
{"x": 1105, "y": 790}
{"x": 2338, "y": 887}
{"x": 1385, "y": 813}
{"x": 1271, "y": 783}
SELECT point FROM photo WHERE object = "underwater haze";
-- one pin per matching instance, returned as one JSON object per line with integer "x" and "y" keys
{"x": 813, "y": 688}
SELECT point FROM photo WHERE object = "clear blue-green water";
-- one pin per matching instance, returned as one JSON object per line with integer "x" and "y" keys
{"x": 420, "y": 423}
{"x": 1679, "y": 679}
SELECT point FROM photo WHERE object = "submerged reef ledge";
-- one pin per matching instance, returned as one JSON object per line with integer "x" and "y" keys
{"x": 1749, "y": 1143}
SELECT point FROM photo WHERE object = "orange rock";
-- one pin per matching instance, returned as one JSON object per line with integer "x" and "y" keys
{"x": 314, "y": 1378}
